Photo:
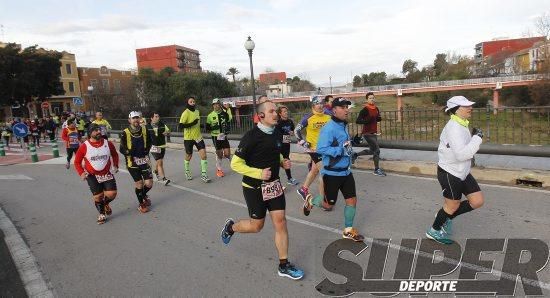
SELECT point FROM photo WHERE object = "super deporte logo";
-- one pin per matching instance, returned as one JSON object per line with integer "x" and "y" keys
{"x": 422, "y": 264}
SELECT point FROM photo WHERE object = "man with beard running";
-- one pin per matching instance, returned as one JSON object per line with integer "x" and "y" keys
{"x": 135, "y": 144}
{"x": 158, "y": 131}
{"x": 258, "y": 158}
{"x": 97, "y": 154}
{"x": 190, "y": 122}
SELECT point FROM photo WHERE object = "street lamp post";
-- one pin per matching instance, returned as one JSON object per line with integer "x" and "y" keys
{"x": 330, "y": 82}
{"x": 249, "y": 46}
{"x": 91, "y": 91}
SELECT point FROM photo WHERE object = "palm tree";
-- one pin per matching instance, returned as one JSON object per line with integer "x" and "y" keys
{"x": 232, "y": 72}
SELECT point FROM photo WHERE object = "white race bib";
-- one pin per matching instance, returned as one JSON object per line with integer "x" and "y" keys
{"x": 271, "y": 190}
{"x": 286, "y": 139}
{"x": 104, "y": 178}
{"x": 155, "y": 149}
{"x": 221, "y": 137}
{"x": 141, "y": 161}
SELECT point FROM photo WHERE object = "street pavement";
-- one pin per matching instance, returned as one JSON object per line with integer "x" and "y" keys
{"x": 175, "y": 250}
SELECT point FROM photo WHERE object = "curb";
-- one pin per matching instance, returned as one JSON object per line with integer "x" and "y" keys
{"x": 24, "y": 260}
{"x": 492, "y": 175}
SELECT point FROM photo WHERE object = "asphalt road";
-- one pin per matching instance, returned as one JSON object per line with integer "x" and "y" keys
{"x": 175, "y": 249}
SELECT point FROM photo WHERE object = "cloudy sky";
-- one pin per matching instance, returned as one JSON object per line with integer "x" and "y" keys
{"x": 312, "y": 39}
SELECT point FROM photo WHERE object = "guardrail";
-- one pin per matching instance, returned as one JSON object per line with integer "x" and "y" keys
{"x": 395, "y": 87}
{"x": 517, "y": 125}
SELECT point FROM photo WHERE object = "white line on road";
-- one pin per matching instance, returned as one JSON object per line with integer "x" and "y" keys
{"x": 32, "y": 278}
{"x": 15, "y": 177}
{"x": 493, "y": 271}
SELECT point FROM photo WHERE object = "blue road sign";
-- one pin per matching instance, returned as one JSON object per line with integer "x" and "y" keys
{"x": 77, "y": 101}
{"x": 20, "y": 130}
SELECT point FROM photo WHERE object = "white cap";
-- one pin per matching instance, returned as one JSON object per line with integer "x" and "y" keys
{"x": 215, "y": 100}
{"x": 134, "y": 114}
{"x": 458, "y": 101}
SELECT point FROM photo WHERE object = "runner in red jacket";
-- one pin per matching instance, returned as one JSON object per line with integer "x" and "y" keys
{"x": 97, "y": 154}
{"x": 72, "y": 139}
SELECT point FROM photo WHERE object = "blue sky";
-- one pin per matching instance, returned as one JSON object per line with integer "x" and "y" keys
{"x": 312, "y": 39}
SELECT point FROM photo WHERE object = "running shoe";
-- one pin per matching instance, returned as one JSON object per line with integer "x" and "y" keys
{"x": 226, "y": 236}
{"x": 302, "y": 192}
{"x": 67, "y": 165}
{"x": 290, "y": 271}
{"x": 438, "y": 236}
{"x": 147, "y": 201}
{"x": 448, "y": 226}
{"x": 306, "y": 208}
{"x": 354, "y": 157}
{"x": 219, "y": 173}
{"x": 205, "y": 178}
{"x": 108, "y": 210}
{"x": 379, "y": 172}
{"x": 292, "y": 181}
{"x": 157, "y": 175}
{"x": 188, "y": 175}
{"x": 101, "y": 219}
{"x": 351, "y": 233}
{"x": 165, "y": 181}
{"x": 143, "y": 208}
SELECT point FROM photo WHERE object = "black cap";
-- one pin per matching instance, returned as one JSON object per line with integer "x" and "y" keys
{"x": 340, "y": 102}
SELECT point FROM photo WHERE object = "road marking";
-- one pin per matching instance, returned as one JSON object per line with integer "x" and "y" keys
{"x": 30, "y": 274}
{"x": 15, "y": 177}
{"x": 492, "y": 271}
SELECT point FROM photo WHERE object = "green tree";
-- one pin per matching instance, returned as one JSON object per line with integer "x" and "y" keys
{"x": 232, "y": 72}
{"x": 357, "y": 82}
{"x": 440, "y": 64}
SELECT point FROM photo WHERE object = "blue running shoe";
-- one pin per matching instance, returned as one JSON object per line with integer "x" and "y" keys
{"x": 226, "y": 236}
{"x": 438, "y": 236}
{"x": 288, "y": 270}
{"x": 448, "y": 226}
{"x": 293, "y": 181}
{"x": 379, "y": 172}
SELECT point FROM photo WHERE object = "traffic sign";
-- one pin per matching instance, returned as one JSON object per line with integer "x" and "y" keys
{"x": 77, "y": 101}
{"x": 20, "y": 130}
{"x": 45, "y": 105}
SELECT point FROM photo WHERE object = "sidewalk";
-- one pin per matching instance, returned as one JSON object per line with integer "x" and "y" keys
{"x": 10, "y": 282}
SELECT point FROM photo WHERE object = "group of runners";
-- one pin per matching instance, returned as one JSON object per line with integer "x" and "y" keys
{"x": 265, "y": 149}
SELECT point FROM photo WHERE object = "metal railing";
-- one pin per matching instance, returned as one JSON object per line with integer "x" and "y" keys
{"x": 511, "y": 125}
{"x": 395, "y": 87}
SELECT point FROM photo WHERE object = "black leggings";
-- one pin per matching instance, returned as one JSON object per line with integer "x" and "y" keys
{"x": 70, "y": 152}
{"x": 285, "y": 152}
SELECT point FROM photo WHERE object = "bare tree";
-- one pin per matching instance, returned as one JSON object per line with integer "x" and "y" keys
{"x": 542, "y": 24}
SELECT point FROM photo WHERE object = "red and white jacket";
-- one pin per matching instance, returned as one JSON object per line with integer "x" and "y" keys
{"x": 97, "y": 157}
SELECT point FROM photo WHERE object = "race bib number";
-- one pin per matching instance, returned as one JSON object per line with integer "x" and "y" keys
{"x": 286, "y": 139}
{"x": 271, "y": 190}
{"x": 104, "y": 178}
{"x": 48, "y": 131}
{"x": 34, "y": 133}
{"x": 141, "y": 161}
{"x": 221, "y": 137}
{"x": 73, "y": 141}
{"x": 155, "y": 149}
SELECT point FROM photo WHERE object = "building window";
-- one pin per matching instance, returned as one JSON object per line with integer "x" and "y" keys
{"x": 105, "y": 85}
{"x": 116, "y": 84}
{"x": 71, "y": 86}
{"x": 94, "y": 84}
{"x": 68, "y": 69}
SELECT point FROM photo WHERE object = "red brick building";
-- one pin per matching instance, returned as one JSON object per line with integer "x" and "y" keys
{"x": 181, "y": 59}
{"x": 273, "y": 77}
{"x": 112, "y": 84}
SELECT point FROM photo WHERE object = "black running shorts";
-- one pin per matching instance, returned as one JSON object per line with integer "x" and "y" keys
{"x": 97, "y": 188}
{"x": 220, "y": 144}
{"x": 141, "y": 173}
{"x": 453, "y": 188}
{"x": 333, "y": 184}
{"x": 257, "y": 207}
{"x": 160, "y": 155}
{"x": 315, "y": 157}
{"x": 188, "y": 144}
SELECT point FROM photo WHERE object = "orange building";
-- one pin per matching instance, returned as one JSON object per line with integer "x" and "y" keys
{"x": 97, "y": 83}
{"x": 273, "y": 77}
{"x": 181, "y": 59}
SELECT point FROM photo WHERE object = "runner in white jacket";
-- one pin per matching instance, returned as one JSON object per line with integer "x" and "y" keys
{"x": 457, "y": 147}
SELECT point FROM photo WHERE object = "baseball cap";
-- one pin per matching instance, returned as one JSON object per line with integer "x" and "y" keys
{"x": 215, "y": 100}
{"x": 340, "y": 102}
{"x": 458, "y": 101}
{"x": 315, "y": 100}
{"x": 134, "y": 114}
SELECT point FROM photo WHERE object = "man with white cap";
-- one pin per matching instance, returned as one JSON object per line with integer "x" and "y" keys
{"x": 135, "y": 144}
{"x": 217, "y": 123}
{"x": 457, "y": 147}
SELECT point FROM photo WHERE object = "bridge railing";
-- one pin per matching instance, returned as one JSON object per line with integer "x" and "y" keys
{"x": 395, "y": 87}
{"x": 512, "y": 125}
